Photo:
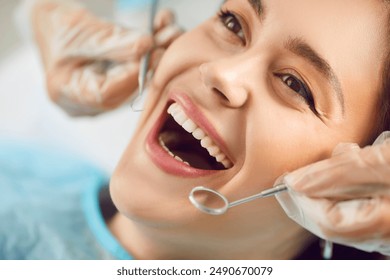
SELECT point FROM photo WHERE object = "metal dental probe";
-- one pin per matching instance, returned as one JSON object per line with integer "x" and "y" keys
{"x": 143, "y": 71}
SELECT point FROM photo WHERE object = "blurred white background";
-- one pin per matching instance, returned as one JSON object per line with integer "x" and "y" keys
{"x": 26, "y": 114}
{"x": 9, "y": 38}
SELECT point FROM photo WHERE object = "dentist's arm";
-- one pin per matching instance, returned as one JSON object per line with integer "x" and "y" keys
{"x": 91, "y": 65}
{"x": 345, "y": 199}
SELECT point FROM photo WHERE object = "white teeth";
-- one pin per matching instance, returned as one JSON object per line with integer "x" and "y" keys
{"x": 199, "y": 133}
{"x": 190, "y": 126}
{"x": 213, "y": 150}
{"x": 172, "y": 108}
{"x": 180, "y": 117}
{"x": 178, "y": 158}
{"x": 206, "y": 142}
{"x": 227, "y": 163}
{"x": 220, "y": 157}
{"x": 169, "y": 152}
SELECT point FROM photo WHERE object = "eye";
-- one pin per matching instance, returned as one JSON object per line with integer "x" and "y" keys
{"x": 299, "y": 87}
{"x": 230, "y": 21}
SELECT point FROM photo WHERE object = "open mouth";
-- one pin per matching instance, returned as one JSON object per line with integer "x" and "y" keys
{"x": 186, "y": 142}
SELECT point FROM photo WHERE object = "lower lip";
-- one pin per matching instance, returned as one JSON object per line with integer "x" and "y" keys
{"x": 165, "y": 161}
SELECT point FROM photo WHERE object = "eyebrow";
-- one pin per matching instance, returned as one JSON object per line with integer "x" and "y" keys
{"x": 257, "y": 6}
{"x": 299, "y": 47}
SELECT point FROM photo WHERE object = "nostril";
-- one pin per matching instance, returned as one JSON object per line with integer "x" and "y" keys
{"x": 220, "y": 94}
{"x": 225, "y": 83}
{"x": 233, "y": 97}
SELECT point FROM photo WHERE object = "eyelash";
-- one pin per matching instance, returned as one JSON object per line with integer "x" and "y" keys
{"x": 228, "y": 18}
{"x": 303, "y": 89}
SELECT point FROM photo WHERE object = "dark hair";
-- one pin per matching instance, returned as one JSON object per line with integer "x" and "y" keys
{"x": 384, "y": 106}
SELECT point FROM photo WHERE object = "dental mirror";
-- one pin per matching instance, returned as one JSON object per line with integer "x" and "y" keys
{"x": 212, "y": 202}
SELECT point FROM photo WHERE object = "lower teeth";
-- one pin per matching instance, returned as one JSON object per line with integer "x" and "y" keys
{"x": 169, "y": 152}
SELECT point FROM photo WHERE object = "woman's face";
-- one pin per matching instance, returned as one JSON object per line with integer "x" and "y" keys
{"x": 269, "y": 86}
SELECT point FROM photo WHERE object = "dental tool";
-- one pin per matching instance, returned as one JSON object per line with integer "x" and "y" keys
{"x": 202, "y": 206}
{"x": 136, "y": 103}
{"x": 327, "y": 250}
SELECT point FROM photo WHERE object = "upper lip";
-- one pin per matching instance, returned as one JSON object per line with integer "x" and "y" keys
{"x": 193, "y": 112}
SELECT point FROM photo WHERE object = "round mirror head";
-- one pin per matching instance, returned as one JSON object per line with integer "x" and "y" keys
{"x": 208, "y": 201}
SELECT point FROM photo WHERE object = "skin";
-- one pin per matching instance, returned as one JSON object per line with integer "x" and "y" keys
{"x": 238, "y": 83}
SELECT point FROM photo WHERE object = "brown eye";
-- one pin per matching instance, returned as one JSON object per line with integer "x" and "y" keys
{"x": 299, "y": 87}
{"x": 292, "y": 83}
{"x": 231, "y": 22}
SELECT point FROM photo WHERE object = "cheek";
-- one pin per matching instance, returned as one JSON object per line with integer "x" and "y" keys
{"x": 284, "y": 140}
{"x": 190, "y": 50}
{"x": 178, "y": 57}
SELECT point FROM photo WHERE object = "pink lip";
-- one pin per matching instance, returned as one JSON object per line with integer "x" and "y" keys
{"x": 165, "y": 161}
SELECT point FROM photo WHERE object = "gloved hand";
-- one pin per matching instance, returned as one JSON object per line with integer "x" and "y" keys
{"x": 345, "y": 199}
{"x": 92, "y": 65}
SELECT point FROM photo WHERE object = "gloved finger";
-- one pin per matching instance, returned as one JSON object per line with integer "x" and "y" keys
{"x": 340, "y": 180}
{"x": 351, "y": 174}
{"x": 88, "y": 87}
{"x": 155, "y": 58}
{"x": 363, "y": 223}
{"x": 112, "y": 43}
{"x": 345, "y": 147}
{"x": 350, "y": 204}
{"x": 72, "y": 32}
{"x": 311, "y": 177}
{"x": 329, "y": 219}
{"x": 163, "y": 18}
{"x": 167, "y": 35}
{"x": 384, "y": 136}
{"x": 302, "y": 178}
{"x": 165, "y": 28}
{"x": 358, "y": 219}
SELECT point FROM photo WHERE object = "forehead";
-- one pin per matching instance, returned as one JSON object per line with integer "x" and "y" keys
{"x": 356, "y": 28}
{"x": 350, "y": 34}
{"x": 319, "y": 17}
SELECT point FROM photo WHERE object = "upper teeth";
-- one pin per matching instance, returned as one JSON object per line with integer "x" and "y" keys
{"x": 178, "y": 114}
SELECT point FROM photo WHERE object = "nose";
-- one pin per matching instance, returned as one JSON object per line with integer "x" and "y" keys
{"x": 228, "y": 79}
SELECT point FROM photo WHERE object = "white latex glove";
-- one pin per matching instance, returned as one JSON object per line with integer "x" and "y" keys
{"x": 345, "y": 199}
{"x": 92, "y": 65}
